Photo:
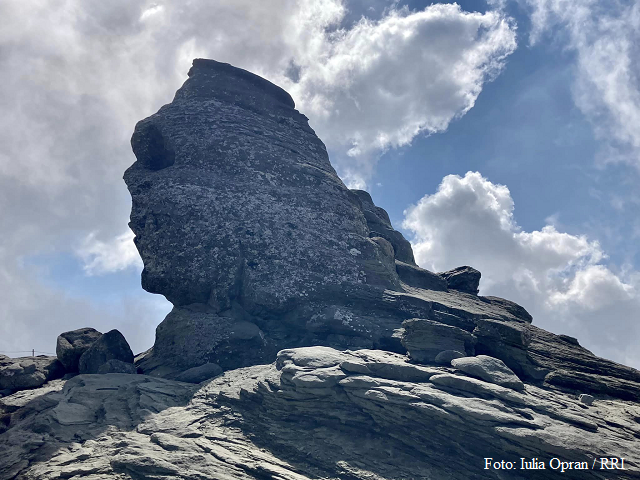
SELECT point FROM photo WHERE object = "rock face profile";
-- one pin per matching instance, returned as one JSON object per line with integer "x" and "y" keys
{"x": 240, "y": 217}
{"x": 304, "y": 341}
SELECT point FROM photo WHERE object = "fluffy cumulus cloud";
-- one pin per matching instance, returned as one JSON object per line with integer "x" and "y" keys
{"x": 562, "y": 279}
{"x": 77, "y": 75}
{"x": 605, "y": 37}
{"x": 101, "y": 257}
{"x": 383, "y": 82}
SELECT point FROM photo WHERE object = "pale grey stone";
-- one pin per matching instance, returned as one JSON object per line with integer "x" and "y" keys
{"x": 253, "y": 422}
{"x": 489, "y": 369}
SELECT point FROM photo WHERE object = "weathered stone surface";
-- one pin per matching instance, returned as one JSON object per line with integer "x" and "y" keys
{"x": 513, "y": 308}
{"x": 71, "y": 345}
{"x": 110, "y": 346}
{"x": 489, "y": 369}
{"x": 28, "y": 372}
{"x": 445, "y": 357}
{"x": 575, "y": 369}
{"x": 304, "y": 417}
{"x": 464, "y": 279}
{"x": 117, "y": 366}
{"x": 199, "y": 374}
{"x": 194, "y": 335}
{"x": 234, "y": 200}
{"x": 425, "y": 339}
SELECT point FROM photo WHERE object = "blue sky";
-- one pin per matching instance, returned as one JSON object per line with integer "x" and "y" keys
{"x": 539, "y": 100}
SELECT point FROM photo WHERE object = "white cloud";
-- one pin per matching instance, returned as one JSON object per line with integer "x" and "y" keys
{"x": 117, "y": 254}
{"x": 381, "y": 83}
{"x": 605, "y": 36}
{"x": 557, "y": 276}
{"x": 593, "y": 288}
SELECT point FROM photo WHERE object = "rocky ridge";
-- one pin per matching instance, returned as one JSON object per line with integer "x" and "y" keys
{"x": 333, "y": 355}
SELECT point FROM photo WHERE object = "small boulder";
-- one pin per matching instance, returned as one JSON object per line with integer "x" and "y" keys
{"x": 464, "y": 279}
{"x": 586, "y": 399}
{"x": 28, "y": 372}
{"x": 490, "y": 370}
{"x": 199, "y": 374}
{"x": 71, "y": 345}
{"x": 445, "y": 357}
{"x": 117, "y": 366}
{"x": 425, "y": 339}
{"x": 110, "y": 346}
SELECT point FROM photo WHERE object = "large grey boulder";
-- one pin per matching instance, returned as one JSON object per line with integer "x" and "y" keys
{"x": 489, "y": 369}
{"x": 586, "y": 399}
{"x": 28, "y": 372}
{"x": 190, "y": 337}
{"x": 508, "y": 341}
{"x": 464, "y": 279}
{"x": 110, "y": 346}
{"x": 71, "y": 345}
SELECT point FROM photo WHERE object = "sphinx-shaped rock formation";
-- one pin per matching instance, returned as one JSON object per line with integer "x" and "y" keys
{"x": 324, "y": 350}
{"x": 243, "y": 224}
{"x": 245, "y": 227}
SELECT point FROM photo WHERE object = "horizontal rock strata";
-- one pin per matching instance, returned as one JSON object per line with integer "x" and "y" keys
{"x": 314, "y": 413}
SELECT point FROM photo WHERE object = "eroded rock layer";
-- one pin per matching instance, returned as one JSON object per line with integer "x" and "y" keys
{"x": 314, "y": 413}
